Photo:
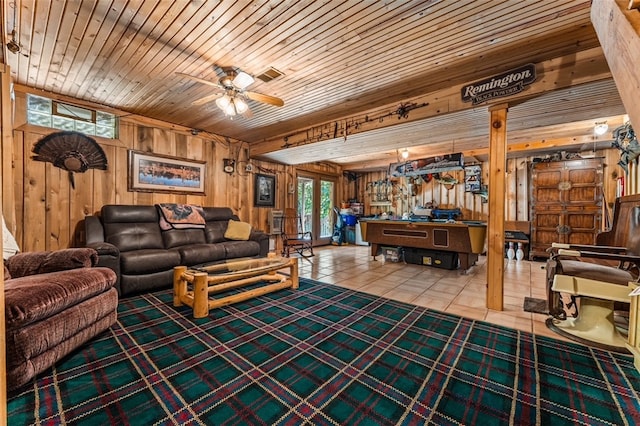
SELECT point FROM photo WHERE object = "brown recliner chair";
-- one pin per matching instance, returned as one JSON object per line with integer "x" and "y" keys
{"x": 54, "y": 302}
{"x": 598, "y": 277}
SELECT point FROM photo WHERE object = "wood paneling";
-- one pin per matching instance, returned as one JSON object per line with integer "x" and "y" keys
{"x": 48, "y": 212}
{"x": 347, "y": 64}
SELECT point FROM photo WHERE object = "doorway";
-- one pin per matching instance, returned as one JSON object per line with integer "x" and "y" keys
{"x": 315, "y": 203}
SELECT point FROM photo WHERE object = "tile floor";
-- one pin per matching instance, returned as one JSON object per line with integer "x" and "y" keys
{"x": 445, "y": 290}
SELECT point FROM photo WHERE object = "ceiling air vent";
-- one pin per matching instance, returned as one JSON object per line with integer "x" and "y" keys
{"x": 270, "y": 74}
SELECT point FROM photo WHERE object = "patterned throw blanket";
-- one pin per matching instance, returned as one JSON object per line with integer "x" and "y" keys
{"x": 180, "y": 216}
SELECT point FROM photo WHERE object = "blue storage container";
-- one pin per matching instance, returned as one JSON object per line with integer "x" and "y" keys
{"x": 349, "y": 219}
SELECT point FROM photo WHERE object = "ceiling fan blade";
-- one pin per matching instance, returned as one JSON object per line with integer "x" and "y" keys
{"x": 205, "y": 99}
{"x": 200, "y": 80}
{"x": 271, "y": 100}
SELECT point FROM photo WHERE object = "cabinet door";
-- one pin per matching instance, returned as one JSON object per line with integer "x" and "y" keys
{"x": 580, "y": 226}
{"x": 567, "y": 183}
{"x": 582, "y": 183}
{"x": 545, "y": 178}
{"x": 545, "y": 227}
{"x": 572, "y": 226}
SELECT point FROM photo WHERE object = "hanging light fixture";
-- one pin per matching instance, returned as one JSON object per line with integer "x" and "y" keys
{"x": 600, "y": 128}
{"x": 405, "y": 153}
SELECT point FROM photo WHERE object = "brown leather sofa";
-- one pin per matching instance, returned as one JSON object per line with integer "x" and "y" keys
{"x": 129, "y": 240}
{"x": 54, "y": 302}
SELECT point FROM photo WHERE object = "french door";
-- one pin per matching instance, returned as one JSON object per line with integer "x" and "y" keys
{"x": 316, "y": 200}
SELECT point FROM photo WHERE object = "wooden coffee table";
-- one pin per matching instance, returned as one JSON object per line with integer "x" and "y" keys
{"x": 194, "y": 286}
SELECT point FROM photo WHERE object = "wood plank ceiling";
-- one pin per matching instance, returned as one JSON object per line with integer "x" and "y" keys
{"x": 339, "y": 59}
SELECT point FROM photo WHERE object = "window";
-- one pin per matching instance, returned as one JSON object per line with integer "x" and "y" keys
{"x": 58, "y": 115}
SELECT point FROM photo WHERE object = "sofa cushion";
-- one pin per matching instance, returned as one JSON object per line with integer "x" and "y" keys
{"x": 214, "y": 231}
{"x": 34, "y": 297}
{"x": 146, "y": 261}
{"x": 36, "y": 347}
{"x": 41, "y": 262}
{"x": 237, "y": 230}
{"x": 202, "y": 253}
{"x": 212, "y": 214}
{"x": 237, "y": 249}
{"x": 183, "y": 237}
{"x": 132, "y": 227}
{"x": 133, "y": 236}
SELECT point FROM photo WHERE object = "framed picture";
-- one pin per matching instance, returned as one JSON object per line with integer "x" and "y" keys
{"x": 162, "y": 173}
{"x": 472, "y": 178}
{"x": 265, "y": 190}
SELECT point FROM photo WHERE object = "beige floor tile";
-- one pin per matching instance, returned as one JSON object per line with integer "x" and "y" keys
{"x": 431, "y": 302}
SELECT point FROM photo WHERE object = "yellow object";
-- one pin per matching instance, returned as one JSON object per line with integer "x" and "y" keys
{"x": 237, "y": 230}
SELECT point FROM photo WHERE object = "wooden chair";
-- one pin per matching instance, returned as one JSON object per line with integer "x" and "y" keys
{"x": 294, "y": 237}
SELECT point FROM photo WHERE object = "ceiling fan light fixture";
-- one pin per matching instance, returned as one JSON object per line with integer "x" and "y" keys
{"x": 230, "y": 110}
{"x": 226, "y": 104}
{"x": 223, "y": 102}
{"x": 242, "y": 80}
{"x": 240, "y": 105}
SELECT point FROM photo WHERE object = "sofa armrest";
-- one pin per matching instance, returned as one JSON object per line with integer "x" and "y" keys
{"x": 109, "y": 257}
{"x": 42, "y": 262}
{"x": 93, "y": 229}
{"x": 261, "y": 238}
{"x": 104, "y": 249}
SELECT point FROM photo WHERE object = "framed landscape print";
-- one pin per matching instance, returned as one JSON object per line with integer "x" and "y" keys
{"x": 150, "y": 172}
{"x": 265, "y": 190}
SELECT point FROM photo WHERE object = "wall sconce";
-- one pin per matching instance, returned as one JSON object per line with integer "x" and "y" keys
{"x": 600, "y": 128}
{"x": 405, "y": 154}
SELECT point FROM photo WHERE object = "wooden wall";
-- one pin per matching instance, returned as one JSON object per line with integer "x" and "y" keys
{"x": 45, "y": 211}
{"x": 472, "y": 205}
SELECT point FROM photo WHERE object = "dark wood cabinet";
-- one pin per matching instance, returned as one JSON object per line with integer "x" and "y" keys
{"x": 566, "y": 203}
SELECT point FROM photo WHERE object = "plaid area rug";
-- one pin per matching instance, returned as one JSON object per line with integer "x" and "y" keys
{"x": 326, "y": 355}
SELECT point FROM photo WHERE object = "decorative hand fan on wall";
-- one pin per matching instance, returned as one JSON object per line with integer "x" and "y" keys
{"x": 74, "y": 152}
{"x": 230, "y": 94}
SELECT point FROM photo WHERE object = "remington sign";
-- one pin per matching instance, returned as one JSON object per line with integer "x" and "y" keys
{"x": 507, "y": 84}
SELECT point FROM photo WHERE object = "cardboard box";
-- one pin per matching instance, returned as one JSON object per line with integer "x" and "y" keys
{"x": 392, "y": 254}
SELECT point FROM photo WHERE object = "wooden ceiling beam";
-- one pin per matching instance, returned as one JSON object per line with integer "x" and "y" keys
{"x": 513, "y": 149}
{"x": 586, "y": 66}
{"x": 619, "y": 33}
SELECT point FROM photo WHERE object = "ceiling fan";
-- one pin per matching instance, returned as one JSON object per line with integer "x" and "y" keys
{"x": 231, "y": 95}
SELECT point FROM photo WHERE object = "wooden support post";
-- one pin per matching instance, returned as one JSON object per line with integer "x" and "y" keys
{"x": 6, "y": 195}
{"x": 200, "y": 295}
{"x": 495, "y": 235}
{"x": 618, "y": 31}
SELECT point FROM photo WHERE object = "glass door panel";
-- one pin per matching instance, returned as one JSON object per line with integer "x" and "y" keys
{"x": 315, "y": 203}
{"x": 306, "y": 204}
{"x": 327, "y": 195}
